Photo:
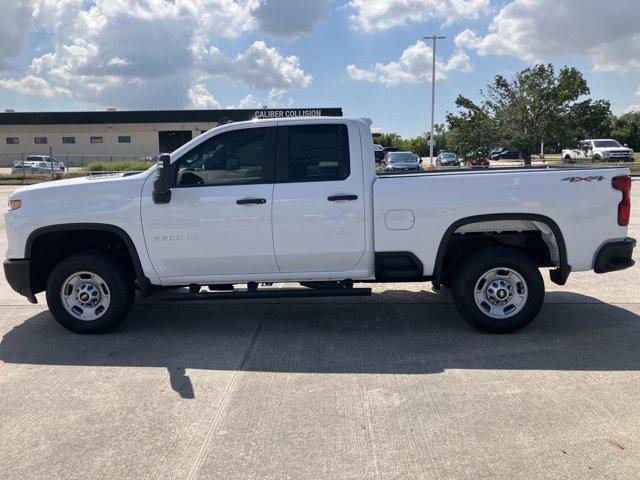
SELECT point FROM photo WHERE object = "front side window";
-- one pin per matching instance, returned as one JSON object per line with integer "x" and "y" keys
{"x": 318, "y": 153}
{"x": 233, "y": 158}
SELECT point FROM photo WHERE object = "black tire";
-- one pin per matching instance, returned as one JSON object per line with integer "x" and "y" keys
{"x": 471, "y": 271}
{"x": 596, "y": 158}
{"x": 115, "y": 275}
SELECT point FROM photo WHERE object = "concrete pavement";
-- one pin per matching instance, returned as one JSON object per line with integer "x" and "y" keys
{"x": 391, "y": 386}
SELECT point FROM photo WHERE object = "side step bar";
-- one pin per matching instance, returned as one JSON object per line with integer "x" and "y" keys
{"x": 268, "y": 293}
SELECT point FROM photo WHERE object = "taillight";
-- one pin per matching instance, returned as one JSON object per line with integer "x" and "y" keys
{"x": 624, "y": 207}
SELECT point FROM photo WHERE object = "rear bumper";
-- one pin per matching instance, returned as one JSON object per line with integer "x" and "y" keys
{"x": 18, "y": 274}
{"x": 615, "y": 256}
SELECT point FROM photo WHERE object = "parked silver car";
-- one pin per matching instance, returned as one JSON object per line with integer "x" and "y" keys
{"x": 46, "y": 158}
{"x": 31, "y": 168}
{"x": 401, "y": 162}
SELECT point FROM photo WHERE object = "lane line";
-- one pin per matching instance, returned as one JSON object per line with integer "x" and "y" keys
{"x": 204, "y": 448}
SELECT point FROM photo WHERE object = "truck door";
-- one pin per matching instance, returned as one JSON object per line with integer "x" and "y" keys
{"x": 318, "y": 198}
{"x": 218, "y": 221}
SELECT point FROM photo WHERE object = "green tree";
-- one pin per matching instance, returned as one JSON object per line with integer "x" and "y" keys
{"x": 536, "y": 106}
{"x": 626, "y": 129}
{"x": 472, "y": 133}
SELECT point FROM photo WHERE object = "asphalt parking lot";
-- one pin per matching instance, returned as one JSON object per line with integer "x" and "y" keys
{"x": 390, "y": 386}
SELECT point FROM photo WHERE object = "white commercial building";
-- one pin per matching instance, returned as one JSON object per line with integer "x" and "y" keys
{"x": 81, "y": 137}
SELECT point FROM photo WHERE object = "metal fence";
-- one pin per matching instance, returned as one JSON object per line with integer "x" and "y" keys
{"x": 8, "y": 160}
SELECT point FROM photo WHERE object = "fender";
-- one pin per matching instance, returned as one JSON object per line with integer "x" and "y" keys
{"x": 558, "y": 276}
{"x": 144, "y": 284}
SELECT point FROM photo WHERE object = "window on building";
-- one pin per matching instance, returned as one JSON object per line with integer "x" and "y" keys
{"x": 124, "y": 139}
{"x": 233, "y": 158}
{"x": 68, "y": 139}
{"x": 13, "y": 140}
{"x": 97, "y": 139}
{"x": 41, "y": 140}
{"x": 318, "y": 153}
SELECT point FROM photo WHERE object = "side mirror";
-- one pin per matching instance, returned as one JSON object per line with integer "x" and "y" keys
{"x": 626, "y": 145}
{"x": 162, "y": 184}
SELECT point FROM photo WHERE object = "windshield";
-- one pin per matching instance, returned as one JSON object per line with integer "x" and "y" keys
{"x": 400, "y": 157}
{"x": 448, "y": 155}
{"x": 606, "y": 143}
{"x": 34, "y": 159}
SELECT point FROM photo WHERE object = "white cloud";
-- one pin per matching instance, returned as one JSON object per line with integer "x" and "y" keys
{"x": 152, "y": 53}
{"x": 249, "y": 101}
{"x": 289, "y": 18}
{"x": 413, "y": 66}
{"x": 32, "y": 85}
{"x": 539, "y": 30}
{"x": 199, "y": 97}
{"x": 259, "y": 66}
{"x": 638, "y": 92}
{"x": 14, "y": 29}
{"x": 632, "y": 109}
{"x": 373, "y": 15}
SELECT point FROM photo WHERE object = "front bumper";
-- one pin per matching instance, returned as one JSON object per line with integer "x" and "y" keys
{"x": 18, "y": 274}
{"x": 615, "y": 255}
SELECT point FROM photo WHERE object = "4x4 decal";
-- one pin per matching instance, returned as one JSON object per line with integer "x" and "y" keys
{"x": 583, "y": 179}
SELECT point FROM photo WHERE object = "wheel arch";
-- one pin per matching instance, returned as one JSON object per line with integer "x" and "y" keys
{"x": 558, "y": 275}
{"x": 144, "y": 284}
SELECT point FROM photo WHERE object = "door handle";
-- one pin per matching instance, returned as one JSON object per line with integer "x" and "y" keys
{"x": 336, "y": 198}
{"x": 251, "y": 201}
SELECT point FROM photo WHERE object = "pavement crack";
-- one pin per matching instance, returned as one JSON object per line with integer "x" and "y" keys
{"x": 204, "y": 448}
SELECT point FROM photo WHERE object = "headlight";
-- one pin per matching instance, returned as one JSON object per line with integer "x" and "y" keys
{"x": 15, "y": 204}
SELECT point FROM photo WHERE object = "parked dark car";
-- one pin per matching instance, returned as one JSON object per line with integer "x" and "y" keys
{"x": 447, "y": 159}
{"x": 504, "y": 153}
{"x": 380, "y": 154}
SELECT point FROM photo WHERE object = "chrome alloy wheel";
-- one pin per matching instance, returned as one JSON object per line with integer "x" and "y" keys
{"x": 85, "y": 296}
{"x": 501, "y": 293}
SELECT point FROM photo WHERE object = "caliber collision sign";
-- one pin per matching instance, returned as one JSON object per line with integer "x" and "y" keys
{"x": 295, "y": 112}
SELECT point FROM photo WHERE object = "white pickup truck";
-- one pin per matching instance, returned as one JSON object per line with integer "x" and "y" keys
{"x": 298, "y": 200}
{"x": 598, "y": 150}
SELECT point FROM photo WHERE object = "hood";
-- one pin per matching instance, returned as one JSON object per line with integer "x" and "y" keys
{"x": 615, "y": 149}
{"x": 79, "y": 185}
{"x": 404, "y": 164}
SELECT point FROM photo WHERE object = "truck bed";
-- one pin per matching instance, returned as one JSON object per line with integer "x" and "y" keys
{"x": 577, "y": 198}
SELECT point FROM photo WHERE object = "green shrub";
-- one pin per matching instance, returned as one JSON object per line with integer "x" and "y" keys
{"x": 125, "y": 166}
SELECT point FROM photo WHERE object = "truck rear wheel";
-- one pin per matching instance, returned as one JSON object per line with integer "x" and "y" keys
{"x": 498, "y": 290}
{"x": 90, "y": 292}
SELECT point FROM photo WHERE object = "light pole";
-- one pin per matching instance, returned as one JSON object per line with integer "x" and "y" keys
{"x": 435, "y": 39}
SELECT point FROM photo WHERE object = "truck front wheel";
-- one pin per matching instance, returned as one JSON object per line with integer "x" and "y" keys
{"x": 498, "y": 290}
{"x": 90, "y": 292}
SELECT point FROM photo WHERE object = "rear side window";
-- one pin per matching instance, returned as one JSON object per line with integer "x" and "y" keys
{"x": 313, "y": 153}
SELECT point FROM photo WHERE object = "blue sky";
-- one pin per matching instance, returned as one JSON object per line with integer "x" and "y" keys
{"x": 362, "y": 55}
